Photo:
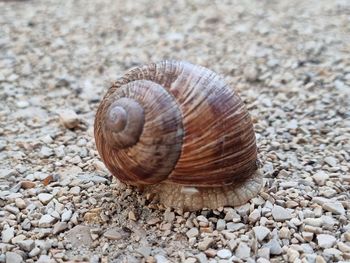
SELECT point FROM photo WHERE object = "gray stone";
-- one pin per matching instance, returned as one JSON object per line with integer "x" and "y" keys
{"x": 335, "y": 207}
{"x": 18, "y": 238}
{"x": 274, "y": 246}
{"x": 325, "y": 240}
{"x": 205, "y": 243}
{"x": 26, "y": 225}
{"x": 292, "y": 124}
{"x": 284, "y": 233}
{"x": 69, "y": 118}
{"x": 307, "y": 248}
{"x": 45, "y": 198}
{"x": 201, "y": 257}
{"x": 5, "y": 172}
{"x": 20, "y": 203}
{"x": 46, "y": 151}
{"x": 220, "y": 224}
{"x": 280, "y": 214}
{"x": 331, "y": 161}
{"x": 235, "y": 226}
{"x": 242, "y": 251}
{"x": 79, "y": 236}
{"x": 231, "y": 214}
{"x": 320, "y": 200}
{"x": 34, "y": 252}
{"x": 45, "y": 259}
{"x": 12, "y": 209}
{"x": 193, "y": 232}
{"x": 254, "y": 216}
{"x": 26, "y": 245}
{"x": 169, "y": 216}
{"x": 251, "y": 73}
{"x": 332, "y": 253}
{"x": 144, "y": 251}
{"x": 116, "y": 234}
{"x": 66, "y": 215}
{"x": 344, "y": 247}
{"x": 85, "y": 178}
{"x": 317, "y": 222}
{"x": 346, "y": 236}
{"x": 328, "y": 221}
{"x": 8, "y": 234}
{"x": 224, "y": 253}
{"x": 95, "y": 259}
{"x": 261, "y": 232}
{"x": 262, "y": 260}
{"x": 308, "y": 236}
{"x": 161, "y": 259}
{"x": 43, "y": 244}
{"x": 243, "y": 210}
{"x": 264, "y": 252}
{"x": 59, "y": 227}
{"x": 320, "y": 177}
{"x": 12, "y": 257}
{"x": 46, "y": 220}
{"x": 311, "y": 258}
{"x": 75, "y": 190}
{"x": 292, "y": 254}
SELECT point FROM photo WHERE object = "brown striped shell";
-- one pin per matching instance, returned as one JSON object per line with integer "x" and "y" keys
{"x": 181, "y": 126}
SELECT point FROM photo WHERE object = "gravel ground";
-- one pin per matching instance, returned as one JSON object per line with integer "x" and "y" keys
{"x": 289, "y": 60}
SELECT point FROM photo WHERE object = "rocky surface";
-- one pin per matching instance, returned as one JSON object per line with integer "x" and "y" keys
{"x": 289, "y": 61}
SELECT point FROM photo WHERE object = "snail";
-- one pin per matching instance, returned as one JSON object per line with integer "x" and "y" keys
{"x": 179, "y": 131}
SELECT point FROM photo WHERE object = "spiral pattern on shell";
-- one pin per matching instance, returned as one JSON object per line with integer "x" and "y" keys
{"x": 175, "y": 122}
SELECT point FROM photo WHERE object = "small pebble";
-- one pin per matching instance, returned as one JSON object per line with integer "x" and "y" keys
{"x": 45, "y": 198}
{"x": 274, "y": 246}
{"x": 205, "y": 243}
{"x": 242, "y": 251}
{"x": 34, "y": 252}
{"x": 46, "y": 221}
{"x": 261, "y": 232}
{"x": 325, "y": 240}
{"x": 59, "y": 227}
{"x": 331, "y": 161}
{"x": 193, "y": 232}
{"x": 12, "y": 257}
{"x": 254, "y": 216}
{"x": 320, "y": 177}
{"x": 26, "y": 245}
{"x": 334, "y": 207}
{"x": 20, "y": 203}
{"x": 221, "y": 224}
{"x": 7, "y": 234}
{"x": 280, "y": 214}
{"x": 224, "y": 253}
{"x": 69, "y": 119}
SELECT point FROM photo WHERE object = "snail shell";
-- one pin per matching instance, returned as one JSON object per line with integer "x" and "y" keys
{"x": 180, "y": 131}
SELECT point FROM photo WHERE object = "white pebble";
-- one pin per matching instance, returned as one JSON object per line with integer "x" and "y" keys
{"x": 193, "y": 232}
{"x": 224, "y": 253}
{"x": 261, "y": 232}
{"x": 280, "y": 214}
{"x": 325, "y": 240}
{"x": 69, "y": 119}
{"x": 334, "y": 207}
{"x": 45, "y": 198}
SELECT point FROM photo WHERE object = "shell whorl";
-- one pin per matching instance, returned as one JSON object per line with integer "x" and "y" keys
{"x": 138, "y": 132}
{"x": 124, "y": 121}
{"x": 192, "y": 129}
